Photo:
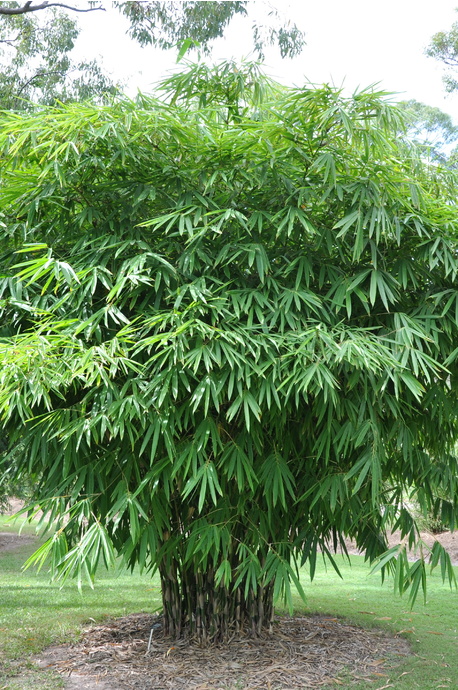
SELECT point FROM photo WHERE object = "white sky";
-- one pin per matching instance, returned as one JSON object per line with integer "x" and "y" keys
{"x": 350, "y": 42}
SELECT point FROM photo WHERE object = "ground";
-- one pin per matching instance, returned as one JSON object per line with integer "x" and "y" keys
{"x": 303, "y": 652}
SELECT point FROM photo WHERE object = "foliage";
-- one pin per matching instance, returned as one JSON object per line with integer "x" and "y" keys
{"x": 4, "y": 488}
{"x": 444, "y": 47}
{"x": 432, "y": 129}
{"x": 167, "y": 24}
{"x": 230, "y": 326}
{"x": 37, "y": 67}
{"x": 36, "y": 614}
{"x": 10, "y": 485}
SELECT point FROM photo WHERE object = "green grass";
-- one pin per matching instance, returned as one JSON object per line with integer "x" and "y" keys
{"x": 35, "y": 614}
{"x": 431, "y": 628}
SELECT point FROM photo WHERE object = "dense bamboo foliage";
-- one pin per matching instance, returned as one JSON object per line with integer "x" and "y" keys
{"x": 228, "y": 341}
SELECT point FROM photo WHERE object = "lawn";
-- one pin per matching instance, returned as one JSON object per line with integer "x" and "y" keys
{"x": 432, "y": 629}
{"x": 35, "y": 613}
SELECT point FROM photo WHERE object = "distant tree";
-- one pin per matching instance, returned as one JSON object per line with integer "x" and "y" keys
{"x": 168, "y": 24}
{"x": 230, "y": 337}
{"x": 5, "y": 491}
{"x": 444, "y": 47}
{"x": 36, "y": 63}
{"x": 431, "y": 129}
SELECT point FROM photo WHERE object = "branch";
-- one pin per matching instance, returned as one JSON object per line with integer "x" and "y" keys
{"x": 28, "y": 7}
{"x": 36, "y": 76}
{"x": 17, "y": 96}
{"x": 11, "y": 41}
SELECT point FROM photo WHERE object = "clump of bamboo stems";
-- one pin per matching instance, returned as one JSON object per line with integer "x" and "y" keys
{"x": 196, "y": 607}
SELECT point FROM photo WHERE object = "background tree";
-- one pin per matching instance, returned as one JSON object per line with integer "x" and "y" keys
{"x": 5, "y": 491}
{"x": 168, "y": 24}
{"x": 444, "y": 47}
{"x": 36, "y": 63}
{"x": 432, "y": 130}
{"x": 232, "y": 337}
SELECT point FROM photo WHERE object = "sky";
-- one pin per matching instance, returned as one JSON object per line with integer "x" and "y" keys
{"x": 350, "y": 43}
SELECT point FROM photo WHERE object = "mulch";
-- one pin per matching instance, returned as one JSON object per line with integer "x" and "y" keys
{"x": 302, "y": 652}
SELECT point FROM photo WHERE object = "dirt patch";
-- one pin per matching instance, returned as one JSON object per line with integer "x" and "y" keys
{"x": 13, "y": 506}
{"x": 449, "y": 541}
{"x": 8, "y": 540}
{"x": 11, "y": 542}
{"x": 303, "y": 652}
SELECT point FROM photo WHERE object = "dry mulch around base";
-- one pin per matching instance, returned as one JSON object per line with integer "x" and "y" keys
{"x": 303, "y": 652}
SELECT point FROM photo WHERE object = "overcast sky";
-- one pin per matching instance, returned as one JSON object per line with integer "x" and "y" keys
{"x": 350, "y": 42}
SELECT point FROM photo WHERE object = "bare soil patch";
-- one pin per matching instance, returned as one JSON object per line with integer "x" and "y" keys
{"x": 10, "y": 542}
{"x": 13, "y": 506}
{"x": 303, "y": 652}
{"x": 449, "y": 541}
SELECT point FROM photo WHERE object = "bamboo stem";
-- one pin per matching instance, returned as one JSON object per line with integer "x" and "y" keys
{"x": 193, "y": 605}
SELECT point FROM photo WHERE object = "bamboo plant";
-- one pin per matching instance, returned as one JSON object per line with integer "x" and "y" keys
{"x": 228, "y": 338}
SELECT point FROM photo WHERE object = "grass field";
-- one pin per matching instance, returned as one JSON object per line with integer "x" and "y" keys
{"x": 35, "y": 614}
